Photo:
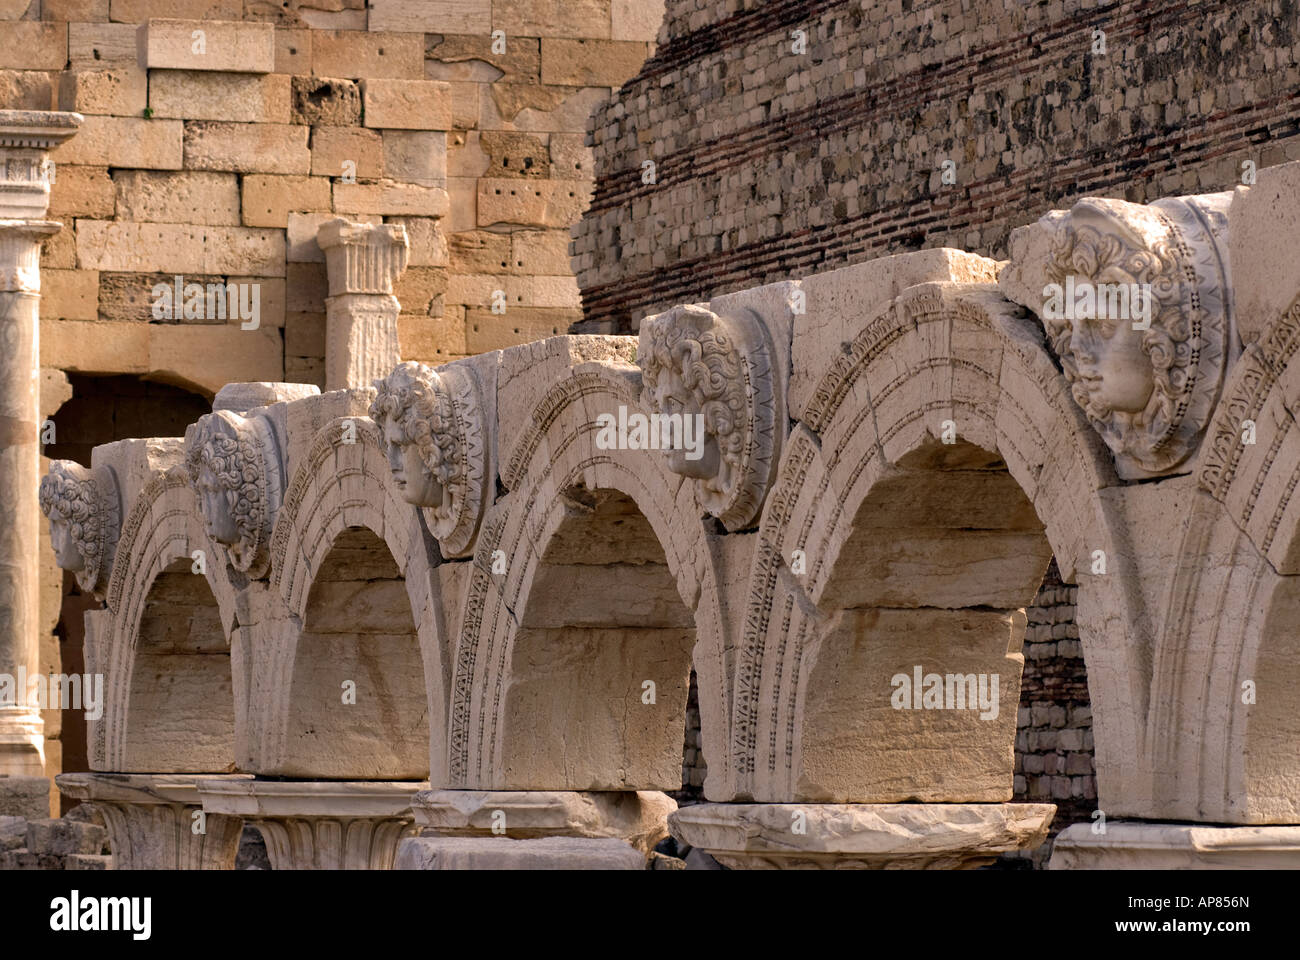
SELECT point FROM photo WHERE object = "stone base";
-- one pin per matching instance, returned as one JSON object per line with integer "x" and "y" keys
{"x": 861, "y": 836}
{"x": 320, "y": 825}
{"x": 1176, "y": 846}
{"x": 151, "y": 820}
{"x": 639, "y": 818}
{"x": 502, "y": 853}
{"x": 22, "y": 743}
{"x": 26, "y": 797}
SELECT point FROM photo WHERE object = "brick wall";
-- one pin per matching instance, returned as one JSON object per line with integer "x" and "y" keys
{"x": 771, "y": 164}
{"x": 219, "y": 165}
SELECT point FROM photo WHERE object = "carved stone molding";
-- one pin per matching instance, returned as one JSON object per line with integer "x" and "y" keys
{"x": 234, "y": 466}
{"x": 320, "y": 825}
{"x": 694, "y": 361}
{"x": 85, "y": 513}
{"x": 155, "y": 821}
{"x": 363, "y": 257}
{"x": 1150, "y": 392}
{"x": 26, "y": 171}
{"x": 432, "y": 425}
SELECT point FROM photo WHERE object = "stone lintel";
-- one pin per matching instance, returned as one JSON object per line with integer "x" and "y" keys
{"x": 910, "y": 836}
{"x": 502, "y": 853}
{"x": 637, "y": 817}
{"x": 1176, "y": 846}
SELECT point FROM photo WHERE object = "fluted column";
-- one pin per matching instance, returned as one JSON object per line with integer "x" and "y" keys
{"x": 26, "y": 138}
{"x": 363, "y": 261}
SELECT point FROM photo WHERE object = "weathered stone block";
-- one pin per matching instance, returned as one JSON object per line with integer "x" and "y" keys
{"x": 554, "y": 18}
{"x": 123, "y": 91}
{"x": 227, "y": 46}
{"x": 70, "y": 294}
{"x": 82, "y": 192}
{"x": 636, "y": 19}
{"x": 406, "y": 104}
{"x": 65, "y": 837}
{"x": 137, "y": 11}
{"x": 590, "y": 63}
{"x": 337, "y": 150}
{"x": 356, "y": 54}
{"x": 246, "y": 148}
{"x": 189, "y": 197}
{"x": 97, "y": 46}
{"x": 431, "y": 16}
{"x": 416, "y": 156}
{"x": 179, "y": 248}
{"x": 554, "y": 203}
{"x": 268, "y": 200}
{"x": 326, "y": 101}
{"x": 238, "y": 97}
{"x": 515, "y": 155}
{"x": 125, "y": 142}
{"x": 390, "y": 197}
{"x": 27, "y": 90}
{"x": 35, "y": 45}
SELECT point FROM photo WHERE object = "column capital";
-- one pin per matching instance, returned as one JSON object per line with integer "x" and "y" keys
{"x": 26, "y": 172}
{"x": 363, "y": 258}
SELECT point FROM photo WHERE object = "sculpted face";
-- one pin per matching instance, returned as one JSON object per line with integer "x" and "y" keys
{"x": 65, "y": 548}
{"x": 216, "y": 503}
{"x": 1114, "y": 369}
{"x": 409, "y": 472}
{"x": 672, "y": 396}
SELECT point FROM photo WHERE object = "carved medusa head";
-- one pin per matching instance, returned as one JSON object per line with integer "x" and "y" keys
{"x": 1142, "y": 389}
{"x": 690, "y": 365}
{"x": 68, "y": 498}
{"x": 228, "y": 471}
{"x": 415, "y": 413}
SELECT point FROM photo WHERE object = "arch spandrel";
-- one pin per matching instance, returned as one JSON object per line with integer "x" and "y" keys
{"x": 550, "y": 451}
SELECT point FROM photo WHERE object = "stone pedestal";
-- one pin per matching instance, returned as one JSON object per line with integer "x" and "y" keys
{"x": 26, "y": 138}
{"x": 638, "y": 818}
{"x": 1176, "y": 846}
{"x": 865, "y": 836}
{"x": 151, "y": 820}
{"x": 362, "y": 261}
{"x": 320, "y": 825}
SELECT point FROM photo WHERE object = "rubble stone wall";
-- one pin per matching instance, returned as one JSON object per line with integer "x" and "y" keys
{"x": 772, "y": 165}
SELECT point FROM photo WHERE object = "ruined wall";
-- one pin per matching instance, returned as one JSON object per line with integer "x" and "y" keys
{"x": 222, "y": 171}
{"x": 772, "y": 165}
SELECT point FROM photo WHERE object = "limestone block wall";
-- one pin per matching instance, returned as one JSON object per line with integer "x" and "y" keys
{"x": 219, "y": 165}
{"x": 772, "y": 164}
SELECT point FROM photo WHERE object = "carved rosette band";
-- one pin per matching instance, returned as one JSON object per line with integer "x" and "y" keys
{"x": 234, "y": 466}
{"x": 696, "y": 362}
{"x": 432, "y": 423}
{"x": 1176, "y": 248}
{"x": 85, "y": 513}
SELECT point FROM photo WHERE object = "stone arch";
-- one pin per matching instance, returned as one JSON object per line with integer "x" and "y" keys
{"x": 565, "y": 495}
{"x": 869, "y": 451}
{"x": 353, "y": 582}
{"x": 189, "y": 723}
{"x": 1231, "y": 609}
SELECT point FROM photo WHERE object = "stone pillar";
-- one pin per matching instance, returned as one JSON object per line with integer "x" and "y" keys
{"x": 26, "y": 138}
{"x": 535, "y": 829}
{"x": 325, "y": 825}
{"x": 863, "y": 836}
{"x": 363, "y": 260}
{"x": 151, "y": 819}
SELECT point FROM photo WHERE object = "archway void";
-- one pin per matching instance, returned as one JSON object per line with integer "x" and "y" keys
{"x": 182, "y": 707}
{"x": 944, "y": 553}
{"x": 595, "y": 695}
{"x": 358, "y": 707}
